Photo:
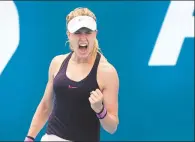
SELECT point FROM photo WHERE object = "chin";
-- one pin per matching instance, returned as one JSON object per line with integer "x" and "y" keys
{"x": 82, "y": 55}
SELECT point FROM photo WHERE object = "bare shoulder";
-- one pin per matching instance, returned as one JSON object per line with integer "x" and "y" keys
{"x": 105, "y": 67}
{"x": 58, "y": 59}
{"x": 107, "y": 73}
{"x": 56, "y": 62}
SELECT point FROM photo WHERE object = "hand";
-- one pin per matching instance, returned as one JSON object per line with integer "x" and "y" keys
{"x": 96, "y": 99}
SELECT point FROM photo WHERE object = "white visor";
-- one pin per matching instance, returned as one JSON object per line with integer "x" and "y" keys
{"x": 81, "y": 22}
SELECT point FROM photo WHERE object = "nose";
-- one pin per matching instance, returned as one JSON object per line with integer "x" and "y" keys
{"x": 83, "y": 35}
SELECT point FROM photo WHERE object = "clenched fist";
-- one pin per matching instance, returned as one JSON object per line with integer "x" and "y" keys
{"x": 96, "y": 99}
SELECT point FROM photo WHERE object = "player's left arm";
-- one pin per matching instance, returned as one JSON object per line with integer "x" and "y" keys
{"x": 110, "y": 91}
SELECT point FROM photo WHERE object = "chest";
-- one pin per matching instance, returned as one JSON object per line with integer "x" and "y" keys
{"x": 67, "y": 90}
{"x": 78, "y": 72}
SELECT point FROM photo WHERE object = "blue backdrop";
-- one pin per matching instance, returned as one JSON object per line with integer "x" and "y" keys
{"x": 155, "y": 103}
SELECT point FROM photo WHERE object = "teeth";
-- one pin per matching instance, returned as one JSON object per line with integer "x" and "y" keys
{"x": 83, "y": 44}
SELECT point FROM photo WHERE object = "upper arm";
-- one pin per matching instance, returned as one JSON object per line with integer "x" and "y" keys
{"x": 110, "y": 89}
{"x": 48, "y": 93}
{"x": 54, "y": 67}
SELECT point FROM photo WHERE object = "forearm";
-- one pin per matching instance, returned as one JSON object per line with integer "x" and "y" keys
{"x": 39, "y": 119}
{"x": 109, "y": 123}
{"x": 106, "y": 111}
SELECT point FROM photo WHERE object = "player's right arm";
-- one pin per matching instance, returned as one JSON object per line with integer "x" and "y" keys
{"x": 45, "y": 106}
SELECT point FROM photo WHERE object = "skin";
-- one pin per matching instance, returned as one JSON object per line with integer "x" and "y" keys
{"x": 82, "y": 36}
{"x": 78, "y": 68}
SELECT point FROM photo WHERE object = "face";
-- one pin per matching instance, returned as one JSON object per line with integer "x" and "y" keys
{"x": 82, "y": 42}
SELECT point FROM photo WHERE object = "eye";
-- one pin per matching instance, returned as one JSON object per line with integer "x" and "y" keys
{"x": 85, "y": 32}
{"x": 89, "y": 32}
{"x": 77, "y": 33}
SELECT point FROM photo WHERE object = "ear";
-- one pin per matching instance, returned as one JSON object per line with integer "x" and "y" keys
{"x": 68, "y": 34}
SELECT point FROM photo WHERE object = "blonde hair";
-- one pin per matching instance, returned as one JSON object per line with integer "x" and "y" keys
{"x": 80, "y": 11}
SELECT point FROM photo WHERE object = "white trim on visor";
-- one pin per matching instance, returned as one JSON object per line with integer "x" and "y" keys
{"x": 80, "y": 22}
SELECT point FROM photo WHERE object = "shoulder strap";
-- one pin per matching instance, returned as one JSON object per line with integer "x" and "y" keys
{"x": 65, "y": 62}
{"x": 96, "y": 63}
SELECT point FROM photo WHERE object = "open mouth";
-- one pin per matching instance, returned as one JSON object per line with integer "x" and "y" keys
{"x": 83, "y": 47}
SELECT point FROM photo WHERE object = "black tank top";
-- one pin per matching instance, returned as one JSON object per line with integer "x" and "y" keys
{"x": 72, "y": 117}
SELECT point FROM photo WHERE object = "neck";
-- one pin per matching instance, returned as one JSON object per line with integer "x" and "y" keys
{"x": 89, "y": 59}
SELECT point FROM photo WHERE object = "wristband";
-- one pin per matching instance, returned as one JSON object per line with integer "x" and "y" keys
{"x": 30, "y": 138}
{"x": 102, "y": 113}
{"x": 101, "y": 110}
